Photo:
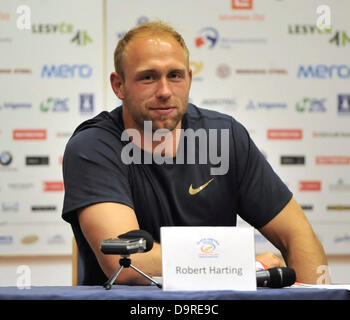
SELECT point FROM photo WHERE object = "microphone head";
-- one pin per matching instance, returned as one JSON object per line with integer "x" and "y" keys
{"x": 136, "y": 234}
{"x": 281, "y": 277}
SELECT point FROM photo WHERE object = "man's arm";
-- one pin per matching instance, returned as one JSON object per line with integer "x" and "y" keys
{"x": 108, "y": 220}
{"x": 292, "y": 234}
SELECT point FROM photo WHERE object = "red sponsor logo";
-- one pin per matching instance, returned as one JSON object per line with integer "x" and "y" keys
{"x": 309, "y": 185}
{"x": 242, "y": 4}
{"x": 53, "y": 186}
{"x": 332, "y": 160}
{"x": 285, "y": 134}
{"x": 29, "y": 134}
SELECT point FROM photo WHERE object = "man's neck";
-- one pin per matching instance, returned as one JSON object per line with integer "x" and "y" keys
{"x": 161, "y": 142}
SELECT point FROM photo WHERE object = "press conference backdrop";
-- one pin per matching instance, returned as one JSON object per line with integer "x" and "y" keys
{"x": 265, "y": 62}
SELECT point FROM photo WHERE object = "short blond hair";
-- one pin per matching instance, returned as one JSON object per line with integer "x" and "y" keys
{"x": 152, "y": 27}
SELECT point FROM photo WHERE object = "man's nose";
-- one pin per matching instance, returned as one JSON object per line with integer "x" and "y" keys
{"x": 163, "y": 90}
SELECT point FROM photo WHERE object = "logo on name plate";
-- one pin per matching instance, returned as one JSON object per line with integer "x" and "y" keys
{"x": 208, "y": 248}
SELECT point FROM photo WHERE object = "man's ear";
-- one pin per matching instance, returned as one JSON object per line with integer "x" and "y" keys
{"x": 117, "y": 84}
{"x": 190, "y": 75}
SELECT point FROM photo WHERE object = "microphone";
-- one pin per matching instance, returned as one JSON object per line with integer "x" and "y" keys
{"x": 275, "y": 277}
{"x": 135, "y": 241}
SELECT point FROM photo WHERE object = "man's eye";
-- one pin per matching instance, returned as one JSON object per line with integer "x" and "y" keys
{"x": 147, "y": 77}
{"x": 175, "y": 75}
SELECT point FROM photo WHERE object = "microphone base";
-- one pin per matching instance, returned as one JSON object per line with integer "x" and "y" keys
{"x": 125, "y": 262}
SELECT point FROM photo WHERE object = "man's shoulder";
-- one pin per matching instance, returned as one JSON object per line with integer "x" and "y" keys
{"x": 105, "y": 120}
{"x": 201, "y": 117}
{"x": 105, "y": 127}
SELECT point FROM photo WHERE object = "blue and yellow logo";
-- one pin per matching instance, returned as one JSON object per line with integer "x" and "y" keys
{"x": 208, "y": 248}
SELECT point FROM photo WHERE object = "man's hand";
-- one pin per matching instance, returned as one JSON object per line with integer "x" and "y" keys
{"x": 269, "y": 260}
{"x": 107, "y": 220}
{"x": 292, "y": 234}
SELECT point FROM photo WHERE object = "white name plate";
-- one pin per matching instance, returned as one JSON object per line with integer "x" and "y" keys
{"x": 208, "y": 258}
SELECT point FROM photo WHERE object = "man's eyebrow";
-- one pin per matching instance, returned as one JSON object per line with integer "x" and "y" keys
{"x": 178, "y": 70}
{"x": 141, "y": 71}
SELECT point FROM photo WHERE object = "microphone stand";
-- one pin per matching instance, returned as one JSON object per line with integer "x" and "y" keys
{"x": 125, "y": 262}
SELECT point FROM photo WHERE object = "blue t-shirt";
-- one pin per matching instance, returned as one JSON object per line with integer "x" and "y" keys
{"x": 94, "y": 172}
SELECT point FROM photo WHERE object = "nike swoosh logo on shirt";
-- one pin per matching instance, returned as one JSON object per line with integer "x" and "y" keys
{"x": 192, "y": 191}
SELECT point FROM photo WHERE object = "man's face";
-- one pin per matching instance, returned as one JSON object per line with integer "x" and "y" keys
{"x": 156, "y": 82}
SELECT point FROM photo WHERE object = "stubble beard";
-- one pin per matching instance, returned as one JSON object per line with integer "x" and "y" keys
{"x": 166, "y": 122}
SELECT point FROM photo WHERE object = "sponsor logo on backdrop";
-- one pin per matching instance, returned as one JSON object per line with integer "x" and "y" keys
{"x": 265, "y": 105}
{"x": 140, "y": 20}
{"x": 310, "y": 185}
{"x": 37, "y": 160}
{"x": 311, "y": 105}
{"x": 64, "y": 134}
{"x": 223, "y": 71}
{"x": 16, "y": 105}
{"x": 5, "y": 39}
{"x": 219, "y": 103}
{"x": 307, "y": 207}
{"x": 4, "y": 16}
{"x": 284, "y": 134}
{"x": 29, "y": 134}
{"x": 338, "y": 207}
{"x": 333, "y": 160}
{"x": 54, "y": 105}
{"x": 258, "y": 71}
{"x": 30, "y": 239}
{"x": 340, "y": 185}
{"x": 81, "y": 38}
{"x": 19, "y": 186}
{"x": 10, "y": 206}
{"x": 56, "y": 239}
{"x": 342, "y": 238}
{"x": 322, "y": 71}
{"x": 241, "y": 12}
{"x": 344, "y": 104}
{"x": 197, "y": 67}
{"x": 307, "y": 29}
{"x": 6, "y": 240}
{"x": 42, "y": 208}
{"x": 292, "y": 160}
{"x": 65, "y": 71}
{"x": 331, "y": 134}
{"x": 86, "y": 103}
{"x": 6, "y": 162}
{"x": 210, "y": 39}
{"x": 242, "y": 4}
{"x": 339, "y": 38}
{"x": 207, "y": 38}
{"x": 52, "y": 186}
{"x": 15, "y": 71}
{"x": 78, "y": 37}
{"x": 5, "y": 158}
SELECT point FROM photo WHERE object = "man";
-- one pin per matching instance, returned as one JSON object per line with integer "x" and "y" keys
{"x": 105, "y": 196}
